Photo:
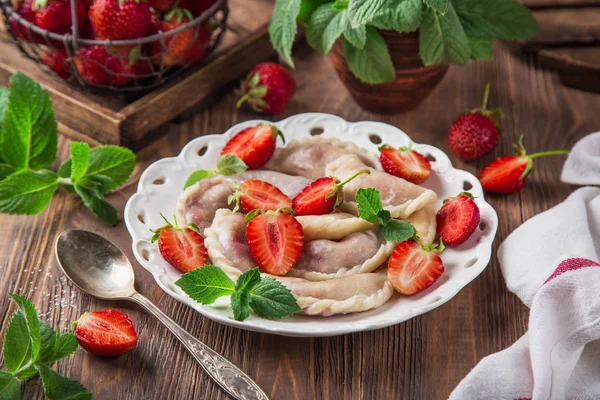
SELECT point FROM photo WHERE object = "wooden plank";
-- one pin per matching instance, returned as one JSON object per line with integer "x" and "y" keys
{"x": 577, "y": 67}
{"x": 564, "y": 26}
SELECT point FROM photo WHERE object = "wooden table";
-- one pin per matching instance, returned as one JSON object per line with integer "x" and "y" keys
{"x": 423, "y": 358}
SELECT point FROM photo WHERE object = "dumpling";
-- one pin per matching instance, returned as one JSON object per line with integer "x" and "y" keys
{"x": 334, "y": 226}
{"x": 199, "y": 202}
{"x": 399, "y": 196}
{"x": 357, "y": 253}
{"x": 424, "y": 223}
{"x": 350, "y": 294}
{"x": 309, "y": 157}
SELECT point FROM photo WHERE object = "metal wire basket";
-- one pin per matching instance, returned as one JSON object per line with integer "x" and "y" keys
{"x": 127, "y": 68}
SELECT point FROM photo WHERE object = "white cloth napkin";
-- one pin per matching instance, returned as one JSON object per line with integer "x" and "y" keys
{"x": 559, "y": 357}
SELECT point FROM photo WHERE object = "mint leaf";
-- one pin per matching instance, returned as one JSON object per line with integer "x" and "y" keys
{"x": 230, "y": 165}
{"x": 357, "y": 36}
{"x": 54, "y": 345}
{"x": 441, "y": 6}
{"x": 442, "y": 39}
{"x": 307, "y": 8}
{"x": 364, "y": 11}
{"x": 58, "y": 387}
{"x": 271, "y": 299}
{"x": 397, "y": 231}
{"x": 99, "y": 206}
{"x": 404, "y": 16}
{"x": 80, "y": 159}
{"x": 369, "y": 204}
{"x": 32, "y": 320}
{"x": 27, "y": 191}
{"x": 197, "y": 176}
{"x": 16, "y": 344}
{"x": 10, "y": 389}
{"x": 283, "y": 27}
{"x": 206, "y": 284}
{"x": 29, "y": 133}
{"x": 504, "y": 19}
{"x": 248, "y": 279}
{"x": 240, "y": 301}
{"x": 3, "y": 105}
{"x": 47, "y": 343}
{"x": 385, "y": 216}
{"x": 371, "y": 64}
{"x": 66, "y": 344}
{"x": 6, "y": 170}
{"x": 326, "y": 25}
{"x": 482, "y": 48}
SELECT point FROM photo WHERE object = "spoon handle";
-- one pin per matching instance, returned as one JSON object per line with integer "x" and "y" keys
{"x": 228, "y": 376}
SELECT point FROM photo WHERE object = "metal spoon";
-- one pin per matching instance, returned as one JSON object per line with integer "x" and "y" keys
{"x": 99, "y": 268}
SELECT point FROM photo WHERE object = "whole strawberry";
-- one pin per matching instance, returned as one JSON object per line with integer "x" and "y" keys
{"x": 121, "y": 19}
{"x": 25, "y": 10}
{"x": 55, "y": 15}
{"x": 196, "y": 7}
{"x": 99, "y": 67}
{"x": 475, "y": 134}
{"x": 183, "y": 48}
{"x": 268, "y": 88}
{"x": 507, "y": 174}
{"x": 58, "y": 61}
{"x": 161, "y": 5}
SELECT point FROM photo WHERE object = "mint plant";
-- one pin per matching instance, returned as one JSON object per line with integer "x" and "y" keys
{"x": 450, "y": 31}
{"x": 28, "y": 146}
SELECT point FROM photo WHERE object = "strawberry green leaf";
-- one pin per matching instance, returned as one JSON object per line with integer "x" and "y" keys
{"x": 404, "y": 16}
{"x": 248, "y": 279}
{"x": 93, "y": 200}
{"x": 283, "y": 27}
{"x": 32, "y": 321}
{"x": 271, "y": 299}
{"x": 6, "y": 170}
{"x": 205, "y": 285}
{"x": 10, "y": 389}
{"x": 17, "y": 344}
{"x": 397, "y": 231}
{"x": 80, "y": 159}
{"x": 326, "y": 26}
{"x": 441, "y": 6}
{"x": 371, "y": 64}
{"x": 58, "y": 387}
{"x": 369, "y": 204}
{"x": 197, "y": 176}
{"x": 442, "y": 39}
{"x": 230, "y": 165}
{"x": 29, "y": 133}
{"x": 240, "y": 301}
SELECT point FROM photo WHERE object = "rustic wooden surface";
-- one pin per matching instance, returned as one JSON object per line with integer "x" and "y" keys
{"x": 423, "y": 358}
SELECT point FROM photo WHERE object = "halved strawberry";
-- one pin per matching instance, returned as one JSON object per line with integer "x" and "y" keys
{"x": 457, "y": 219}
{"x": 322, "y": 196}
{"x": 413, "y": 267}
{"x": 405, "y": 163}
{"x": 183, "y": 248}
{"x": 254, "y": 145}
{"x": 256, "y": 194}
{"x": 107, "y": 333}
{"x": 275, "y": 240}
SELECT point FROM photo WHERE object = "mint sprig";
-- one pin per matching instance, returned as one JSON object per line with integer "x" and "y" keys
{"x": 28, "y": 145}
{"x": 267, "y": 297}
{"x": 226, "y": 165}
{"x": 30, "y": 347}
{"x": 370, "y": 208}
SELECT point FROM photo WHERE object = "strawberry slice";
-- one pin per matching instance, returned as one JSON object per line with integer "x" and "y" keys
{"x": 256, "y": 194}
{"x": 507, "y": 174}
{"x": 322, "y": 196}
{"x": 413, "y": 267}
{"x": 457, "y": 219}
{"x": 183, "y": 248}
{"x": 275, "y": 240}
{"x": 107, "y": 333}
{"x": 405, "y": 163}
{"x": 254, "y": 145}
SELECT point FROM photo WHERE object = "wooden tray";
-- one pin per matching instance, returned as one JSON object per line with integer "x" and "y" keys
{"x": 115, "y": 120}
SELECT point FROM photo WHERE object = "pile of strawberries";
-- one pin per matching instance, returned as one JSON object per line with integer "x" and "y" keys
{"x": 115, "y": 20}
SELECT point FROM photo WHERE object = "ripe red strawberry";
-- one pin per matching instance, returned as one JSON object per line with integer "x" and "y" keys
{"x": 322, "y": 196}
{"x": 97, "y": 66}
{"x": 275, "y": 240}
{"x": 25, "y": 10}
{"x": 55, "y": 15}
{"x": 405, "y": 163}
{"x": 121, "y": 19}
{"x": 197, "y": 7}
{"x": 183, "y": 48}
{"x": 107, "y": 333}
{"x": 58, "y": 61}
{"x": 268, "y": 88}
{"x": 475, "y": 134}
{"x": 254, "y": 145}
{"x": 255, "y": 194}
{"x": 413, "y": 267}
{"x": 183, "y": 248}
{"x": 457, "y": 219}
{"x": 161, "y": 5}
{"x": 507, "y": 174}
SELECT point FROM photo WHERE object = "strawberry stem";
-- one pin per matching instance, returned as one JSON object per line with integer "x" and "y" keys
{"x": 486, "y": 94}
{"x": 548, "y": 153}
{"x": 242, "y": 100}
{"x": 362, "y": 171}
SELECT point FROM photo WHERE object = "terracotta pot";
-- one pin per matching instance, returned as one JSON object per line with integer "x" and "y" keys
{"x": 413, "y": 83}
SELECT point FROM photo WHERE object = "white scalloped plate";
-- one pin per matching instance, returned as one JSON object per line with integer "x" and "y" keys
{"x": 163, "y": 181}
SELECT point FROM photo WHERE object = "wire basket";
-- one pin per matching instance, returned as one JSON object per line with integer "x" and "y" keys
{"x": 133, "y": 66}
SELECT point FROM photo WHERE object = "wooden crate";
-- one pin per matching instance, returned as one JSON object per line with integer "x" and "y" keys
{"x": 114, "y": 120}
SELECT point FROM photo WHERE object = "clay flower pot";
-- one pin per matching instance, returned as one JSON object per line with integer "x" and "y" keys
{"x": 413, "y": 83}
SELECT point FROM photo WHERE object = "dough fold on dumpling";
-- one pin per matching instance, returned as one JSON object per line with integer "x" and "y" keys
{"x": 424, "y": 223}
{"x": 309, "y": 156}
{"x": 398, "y": 196}
{"x": 334, "y": 226}
{"x": 199, "y": 202}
